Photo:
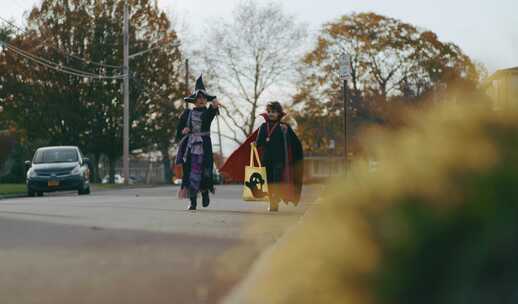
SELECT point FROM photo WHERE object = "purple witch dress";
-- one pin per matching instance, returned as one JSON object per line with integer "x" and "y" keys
{"x": 195, "y": 153}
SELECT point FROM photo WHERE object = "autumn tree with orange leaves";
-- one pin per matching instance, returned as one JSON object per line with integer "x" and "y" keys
{"x": 392, "y": 62}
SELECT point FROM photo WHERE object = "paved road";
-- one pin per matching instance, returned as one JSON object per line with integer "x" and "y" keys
{"x": 131, "y": 246}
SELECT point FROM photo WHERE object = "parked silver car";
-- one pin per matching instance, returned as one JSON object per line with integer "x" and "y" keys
{"x": 58, "y": 169}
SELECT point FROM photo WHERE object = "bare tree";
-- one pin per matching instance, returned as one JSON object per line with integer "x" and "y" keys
{"x": 248, "y": 56}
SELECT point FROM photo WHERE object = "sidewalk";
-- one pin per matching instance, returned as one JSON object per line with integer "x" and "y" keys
{"x": 241, "y": 293}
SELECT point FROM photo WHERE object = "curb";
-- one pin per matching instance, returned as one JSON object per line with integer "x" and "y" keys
{"x": 9, "y": 196}
{"x": 96, "y": 189}
{"x": 130, "y": 187}
{"x": 238, "y": 294}
{"x": 23, "y": 194}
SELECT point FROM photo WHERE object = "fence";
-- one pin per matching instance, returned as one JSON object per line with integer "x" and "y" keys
{"x": 142, "y": 171}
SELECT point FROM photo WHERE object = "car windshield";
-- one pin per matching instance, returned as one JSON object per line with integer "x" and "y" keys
{"x": 56, "y": 156}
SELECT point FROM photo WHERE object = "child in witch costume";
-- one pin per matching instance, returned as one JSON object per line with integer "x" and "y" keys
{"x": 281, "y": 154}
{"x": 195, "y": 146}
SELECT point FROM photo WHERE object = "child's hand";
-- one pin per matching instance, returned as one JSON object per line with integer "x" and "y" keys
{"x": 186, "y": 131}
{"x": 215, "y": 103}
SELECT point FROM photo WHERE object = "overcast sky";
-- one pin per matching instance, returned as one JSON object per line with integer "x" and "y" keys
{"x": 485, "y": 30}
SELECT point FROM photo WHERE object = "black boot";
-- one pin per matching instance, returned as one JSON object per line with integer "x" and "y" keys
{"x": 205, "y": 199}
{"x": 192, "y": 207}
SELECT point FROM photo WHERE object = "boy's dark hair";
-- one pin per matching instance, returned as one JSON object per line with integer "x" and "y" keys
{"x": 275, "y": 106}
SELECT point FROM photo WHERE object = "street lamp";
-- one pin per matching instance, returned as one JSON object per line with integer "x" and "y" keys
{"x": 345, "y": 75}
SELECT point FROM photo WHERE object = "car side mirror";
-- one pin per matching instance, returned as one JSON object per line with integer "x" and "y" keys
{"x": 28, "y": 164}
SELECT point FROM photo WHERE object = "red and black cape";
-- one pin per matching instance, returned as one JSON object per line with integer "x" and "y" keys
{"x": 234, "y": 167}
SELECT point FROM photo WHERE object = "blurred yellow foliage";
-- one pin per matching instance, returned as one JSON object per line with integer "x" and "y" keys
{"x": 436, "y": 223}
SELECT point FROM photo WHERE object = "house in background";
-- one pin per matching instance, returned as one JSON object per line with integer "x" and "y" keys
{"x": 321, "y": 167}
{"x": 502, "y": 88}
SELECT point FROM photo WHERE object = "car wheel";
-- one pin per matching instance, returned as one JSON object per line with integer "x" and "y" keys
{"x": 40, "y": 194}
{"x": 31, "y": 193}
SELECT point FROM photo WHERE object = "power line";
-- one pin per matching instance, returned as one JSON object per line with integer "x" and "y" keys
{"x": 87, "y": 61}
{"x": 56, "y": 66}
{"x": 28, "y": 54}
{"x": 20, "y": 30}
{"x": 68, "y": 70}
{"x": 64, "y": 70}
{"x": 32, "y": 56}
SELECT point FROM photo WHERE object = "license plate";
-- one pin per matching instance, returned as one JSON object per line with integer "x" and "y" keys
{"x": 53, "y": 183}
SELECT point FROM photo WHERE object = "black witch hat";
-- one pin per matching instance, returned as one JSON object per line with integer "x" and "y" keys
{"x": 199, "y": 89}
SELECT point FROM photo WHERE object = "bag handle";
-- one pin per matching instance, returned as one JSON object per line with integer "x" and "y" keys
{"x": 253, "y": 151}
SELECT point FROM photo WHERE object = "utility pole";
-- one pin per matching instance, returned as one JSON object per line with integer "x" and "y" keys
{"x": 125, "y": 157}
{"x": 346, "y": 121}
{"x": 345, "y": 74}
{"x": 126, "y": 72}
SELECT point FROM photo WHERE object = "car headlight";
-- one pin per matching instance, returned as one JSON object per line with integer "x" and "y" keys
{"x": 76, "y": 171}
{"x": 32, "y": 173}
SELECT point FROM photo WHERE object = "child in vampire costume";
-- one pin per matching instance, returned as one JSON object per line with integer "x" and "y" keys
{"x": 281, "y": 154}
{"x": 195, "y": 146}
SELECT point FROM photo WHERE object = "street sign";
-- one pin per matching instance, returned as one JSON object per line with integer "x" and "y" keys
{"x": 332, "y": 144}
{"x": 345, "y": 66}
